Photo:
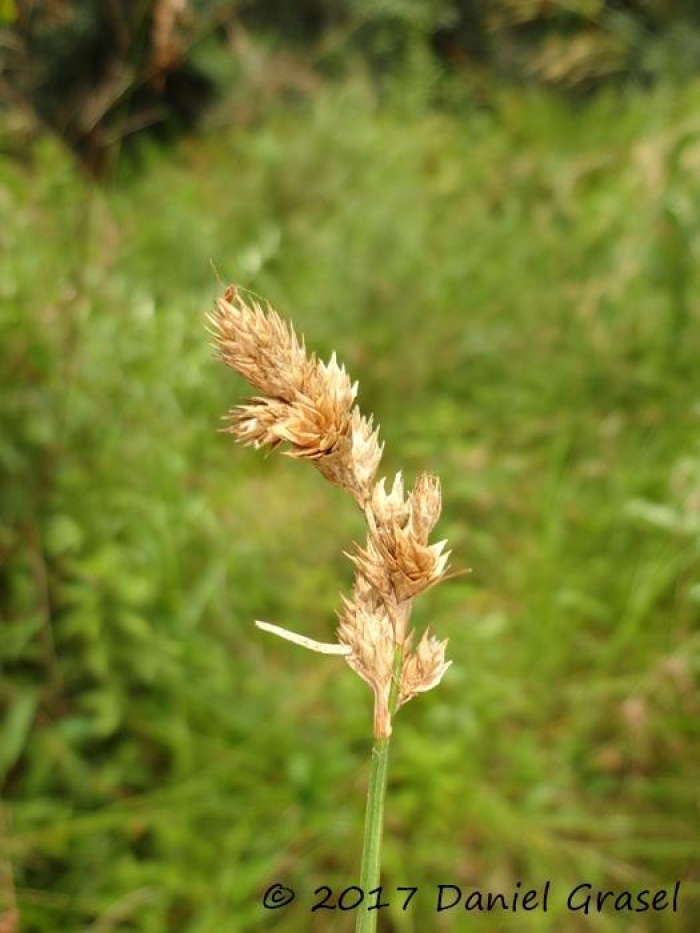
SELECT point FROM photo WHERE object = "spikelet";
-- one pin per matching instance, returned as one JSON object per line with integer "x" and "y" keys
{"x": 306, "y": 404}
{"x": 423, "y": 668}
{"x": 308, "y": 407}
{"x": 397, "y": 559}
{"x": 366, "y": 627}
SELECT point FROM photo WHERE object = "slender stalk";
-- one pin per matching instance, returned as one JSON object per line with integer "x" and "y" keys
{"x": 374, "y": 814}
{"x": 374, "y": 825}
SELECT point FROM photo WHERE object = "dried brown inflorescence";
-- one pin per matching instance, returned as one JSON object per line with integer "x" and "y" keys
{"x": 309, "y": 407}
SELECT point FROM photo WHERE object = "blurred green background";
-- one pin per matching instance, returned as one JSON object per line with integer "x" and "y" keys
{"x": 492, "y": 212}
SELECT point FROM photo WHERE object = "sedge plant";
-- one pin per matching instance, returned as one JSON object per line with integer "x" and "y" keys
{"x": 307, "y": 408}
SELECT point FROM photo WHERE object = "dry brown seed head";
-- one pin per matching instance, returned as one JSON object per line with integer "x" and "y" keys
{"x": 311, "y": 402}
{"x": 397, "y": 564}
{"x": 369, "y": 632}
{"x": 309, "y": 406}
{"x": 412, "y": 566}
{"x": 423, "y": 668}
{"x": 370, "y": 635}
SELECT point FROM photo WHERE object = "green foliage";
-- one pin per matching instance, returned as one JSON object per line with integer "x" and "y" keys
{"x": 102, "y": 74}
{"x": 515, "y": 292}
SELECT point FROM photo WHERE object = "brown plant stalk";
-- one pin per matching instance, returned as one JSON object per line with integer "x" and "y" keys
{"x": 308, "y": 408}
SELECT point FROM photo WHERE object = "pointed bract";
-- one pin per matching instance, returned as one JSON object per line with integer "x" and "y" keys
{"x": 426, "y": 504}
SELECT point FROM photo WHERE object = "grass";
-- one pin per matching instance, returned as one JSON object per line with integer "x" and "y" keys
{"x": 505, "y": 286}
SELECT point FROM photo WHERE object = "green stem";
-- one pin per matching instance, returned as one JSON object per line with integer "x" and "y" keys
{"x": 374, "y": 824}
{"x": 374, "y": 815}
